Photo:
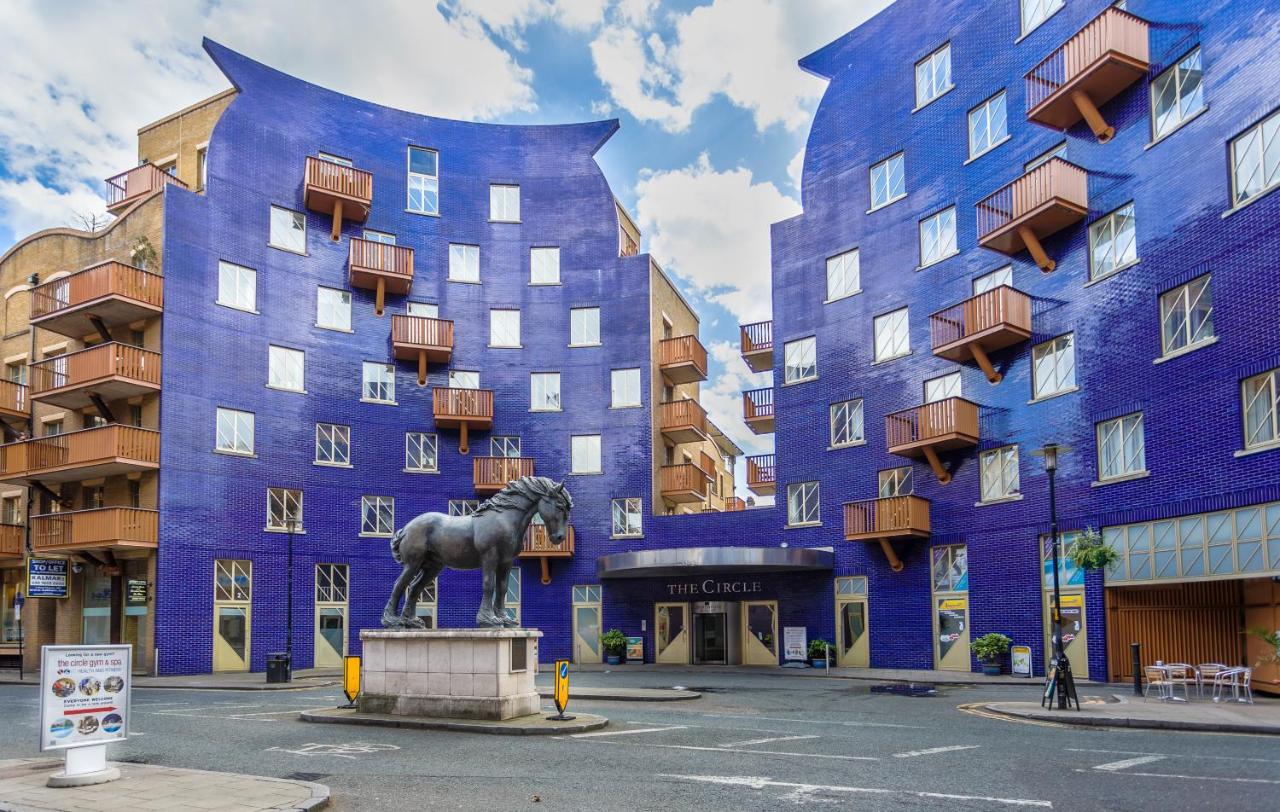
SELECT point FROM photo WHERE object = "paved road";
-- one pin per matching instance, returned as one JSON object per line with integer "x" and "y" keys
{"x": 751, "y": 742}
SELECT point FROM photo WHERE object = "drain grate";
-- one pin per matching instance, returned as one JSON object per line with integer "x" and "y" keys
{"x": 306, "y": 776}
{"x": 133, "y": 759}
{"x": 910, "y": 689}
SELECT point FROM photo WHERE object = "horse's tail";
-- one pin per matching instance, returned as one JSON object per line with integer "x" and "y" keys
{"x": 395, "y": 545}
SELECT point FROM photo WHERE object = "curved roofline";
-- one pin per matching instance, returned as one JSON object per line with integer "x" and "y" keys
{"x": 66, "y": 231}
{"x": 245, "y": 73}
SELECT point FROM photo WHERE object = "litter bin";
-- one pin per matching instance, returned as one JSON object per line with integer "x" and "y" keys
{"x": 278, "y": 669}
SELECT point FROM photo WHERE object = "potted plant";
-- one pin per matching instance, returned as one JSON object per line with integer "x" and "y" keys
{"x": 614, "y": 643}
{"x": 818, "y": 649}
{"x": 1090, "y": 552}
{"x": 990, "y": 650}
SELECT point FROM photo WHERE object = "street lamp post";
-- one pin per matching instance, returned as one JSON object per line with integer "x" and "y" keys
{"x": 1065, "y": 687}
{"x": 292, "y": 526}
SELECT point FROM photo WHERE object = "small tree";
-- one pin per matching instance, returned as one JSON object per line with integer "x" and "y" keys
{"x": 143, "y": 254}
{"x": 1270, "y": 639}
{"x": 989, "y": 648}
{"x": 614, "y": 642}
{"x": 90, "y": 220}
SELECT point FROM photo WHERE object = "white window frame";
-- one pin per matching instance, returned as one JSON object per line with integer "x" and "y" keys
{"x": 584, "y": 327}
{"x": 1117, "y": 252}
{"x": 280, "y": 364}
{"x": 420, "y": 444}
{"x": 334, "y": 314}
{"x": 886, "y": 176}
{"x": 804, "y": 506}
{"x": 630, "y": 511}
{"x": 800, "y": 360}
{"x": 544, "y": 265}
{"x": 456, "y": 378}
{"x": 289, "y": 241}
{"x": 584, "y": 454}
{"x": 944, "y": 239}
{"x": 933, "y": 76}
{"x": 1262, "y": 135}
{"x": 463, "y": 507}
{"x": 624, "y": 388}
{"x": 381, "y": 381}
{"x": 1059, "y": 151}
{"x": 425, "y": 310}
{"x": 992, "y": 280}
{"x": 1176, "y": 309}
{"x": 281, "y": 503}
{"x": 504, "y": 329}
{"x": 1261, "y": 389}
{"x": 943, "y": 387}
{"x": 464, "y": 263}
{"x": 1057, "y": 375}
{"x": 898, "y": 481}
{"x": 1117, "y": 458}
{"x": 337, "y": 438}
{"x": 999, "y": 474}
{"x": 847, "y": 423}
{"x": 891, "y": 333}
{"x": 507, "y": 446}
{"x": 984, "y": 135}
{"x": 234, "y": 431}
{"x": 421, "y": 183}
{"x": 1035, "y": 12}
{"x": 544, "y": 392}
{"x": 377, "y": 516}
{"x": 373, "y": 235}
{"x": 237, "y": 287}
{"x": 1176, "y": 76}
{"x": 844, "y": 275}
{"x": 504, "y": 202}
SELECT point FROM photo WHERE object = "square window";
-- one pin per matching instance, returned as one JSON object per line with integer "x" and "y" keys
{"x": 425, "y": 310}
{"x": 504, "y": 203}
{"x": 625, "y": 387}
{"x": 938, "y": 236}
{"x": 285, "y": 368}
{"x": 463, "y": 507}
{"x": 585, "y": 453}
{"x": 288, "y": 230}
{"x": 991, "y": 281}
{"x": 1260, "y": 402}
{"x": 1113, "y": 243}
{"x": 504, "y": 447}
{"x": 544, "y": 391}
{"x": 896, "y": 482}
{"x": 800, "y": 360}
{"x": 544, "y": 266}
{"x": 237, "y": 287}
{"x": 423, "y": 181}
{"x": 463, "y": 379}
{"x": 1255, "y": 160}
{"x": 420, "y": 452}
{"x": 1186, "y": 315}
{"x": 504, "y": 328}
{"x": 1177, "y": 94}
{"x": 464, "y": 263}
{"x": 378, "y": 237}
{"x": 1035, "y": 12}
{"x": 379, "y": 382}
{"x": 950, "y": 568}
{"x": 942, "y": 387}
{"x": 892, "y": 337}
{"x": 988, "y": 125}
{"x": 626, "y": 517}
{"x": 284, "y": 509}
{"x": 333, "y": 444}
{"x": 377, "y": 515}
{"x": 234, "y": 431}
{"x": 842, "y": 275}
{"x": 1000, "y": 478}
{"x": 933, "y": 75}
{"x": 1121, "y": 447}
{"x": 802, "y": 504}
{"x": 333, "y": 309}
{"x": 846, "y": 423}
{"x": 888, "y": 181}
{"x": 1053, "y": 366}
{"x": 584, "y": 327}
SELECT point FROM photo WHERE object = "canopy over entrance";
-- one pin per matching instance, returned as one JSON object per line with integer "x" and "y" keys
{"x": 691, "y": 560}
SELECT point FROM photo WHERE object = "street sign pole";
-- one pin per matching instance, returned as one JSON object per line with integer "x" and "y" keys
{"x": 561, "y": 693}
{"x": 18, "y": 602}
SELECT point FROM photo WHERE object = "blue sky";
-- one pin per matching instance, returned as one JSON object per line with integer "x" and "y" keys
{"x": 714, "y": 110}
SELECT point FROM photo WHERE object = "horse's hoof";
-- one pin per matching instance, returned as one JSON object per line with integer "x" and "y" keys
{"x": 510, "y": 623}
{"x": 392, "y": 622}
{"x": 413, "y": 622}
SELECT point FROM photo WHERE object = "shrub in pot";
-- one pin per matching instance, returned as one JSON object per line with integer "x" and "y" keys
{"x": 818, "y": 649}
{"x": 990, "y": 650}
{"x": 614, "y": 643}
{"x": 1090, "y": 552}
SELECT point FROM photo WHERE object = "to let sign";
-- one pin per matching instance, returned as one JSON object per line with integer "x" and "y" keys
{"x": 84, "y": 695}
{"x": 46, "y": 578}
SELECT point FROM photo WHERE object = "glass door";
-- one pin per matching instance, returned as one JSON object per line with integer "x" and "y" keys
{"x": 232, "y": 614}
{"x": 760, "y": 638}
{"x": 586, "y": 624}
{"x": 1075, "y": 630}
{"x": 97, "y": 610}
{"x": 671, "y": 633}
{"x": 331, "y": 615}
{"x": 951, "y": 608}
{"x": 853, "y": 645}
{"x": 711, "y": 638}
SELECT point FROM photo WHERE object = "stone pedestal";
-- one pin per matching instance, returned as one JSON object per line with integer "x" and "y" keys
{"x": 450, "y": 673}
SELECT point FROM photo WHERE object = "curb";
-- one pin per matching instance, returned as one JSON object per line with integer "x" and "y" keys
{"x": 583, "y": 723}
{"x": 261, "y": 688}
{"x": 622, "y": 696}
{"x": 1139, "y": 724}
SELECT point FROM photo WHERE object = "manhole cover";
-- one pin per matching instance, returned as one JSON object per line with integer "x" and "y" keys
{"x": 306, "y": 776}
{"x": 911, "y": 689}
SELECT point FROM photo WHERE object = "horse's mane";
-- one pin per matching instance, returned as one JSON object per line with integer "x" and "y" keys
{"x": 520, "y": 492}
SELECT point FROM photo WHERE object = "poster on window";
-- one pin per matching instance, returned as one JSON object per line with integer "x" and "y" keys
{"x": 84, "y": 695}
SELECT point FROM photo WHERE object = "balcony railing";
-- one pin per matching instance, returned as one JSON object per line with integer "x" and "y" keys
{"x": 885, "y": 520}
{"x": 1044, "y": 201}
{"x": 757, "y": 345}
{"x": 492, "y": 474}
{"x": 1092, "y": 67}
{"x": 380, "y": 267}
{"x": 341, "y": 191}
{"x": 11, "y": 536}
{"x": 102, "y": 451}
{"x": 762, "y": 474}
{"x": 15, "y": 401}
{"x": 462, "y": 409}
{"x": 757, "y": 410}
{"x": 682, "y": 359}
{"x": 986, "y": 323}
{"x": 136, "y": 183}
{"x": 939, "y": 426}
{"x": 422, "y": 339}
{"x": 111, "y": 292}
{"x": 110, "y": 371}
{"x": 682, "y": 483}
{"x": 100, "y": 528}
{"x": 733, "y": 504}
{"x": 538, "y": 544}
{"x": 683, "y": 421}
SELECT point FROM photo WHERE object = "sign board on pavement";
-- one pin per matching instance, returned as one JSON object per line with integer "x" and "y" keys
{"x": 1021, "y": 659}
{"x": 794, "y": 644}
{"x": 84, "y": 695}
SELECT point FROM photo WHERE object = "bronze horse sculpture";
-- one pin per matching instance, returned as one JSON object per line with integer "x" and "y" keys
{"x": 488, "y": 540}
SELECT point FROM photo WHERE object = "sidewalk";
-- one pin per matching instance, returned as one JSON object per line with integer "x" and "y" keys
{"x": 143, "y": 787}
{"x": 870, "y": 674}
{"x": 244, "y": 681}
{"x": 1262, "y": 717}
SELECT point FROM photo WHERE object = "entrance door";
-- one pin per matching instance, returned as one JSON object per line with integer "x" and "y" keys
{"x": 952, "y": 627}
{"x": 331, "y": 636}
{"x": 671, "y": 633}
{"x": 96, "y": 613}
{"x": 232, "y": 601}
{"x": 760, "y": 633}
{"x": 711, "y": 639}
{"x": 853, "y": 645}
{"x": 1075, "y": 632}
{"x": 586, "y": 624}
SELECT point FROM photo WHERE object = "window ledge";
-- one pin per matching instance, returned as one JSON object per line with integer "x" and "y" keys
{"x": 334, "y": 329}
{"x": 890, "y": 360}
{"x": 846, "y": 445}
{"x": 1122, "y": 478}
{"x": 506, "y": 346}
{"x": 282, "y": 531}
{"x": 1190, "y": 348}
{"x": 1250, "y": 201}
{"x": 379, "y": 402}
{"x": 422, "y": 213}
{"x": 849, "y": 295}
{"x": 236, "y": 307}
{"x": 546, "y": 411}
{"x": 464, "y": 281}
{"x": 509, "y": 222}
{"x": 942, "y": 258}
{"x": 802, "y": 380}
{"x": 1112, "y": 274}
{"x": 920, "y": 107}
{"x": 1043, "y": 398}
{"x": 332, "y": 464}
{"x": 376, "y": 535}
{"x": 628, "y": 406}
{"x": 887, "y": 203}
{"x": 246, "y": 454}
{"x": 287, "y": 250}
{"x": 973, "y": 158}
{"x": 287, "y": 389}
{"x": 1271, "y": 446}
{"x": 1181, "y": 124}
{"x": 593, "y": 344}
{"x": 801, "y": 526}
{"x": 421, "y": 471}
{"x": 533, "y": 284}
{"x": 1016, "y": 497}
{"x": 623, "y": 538}
{"x": 585, "y": 473}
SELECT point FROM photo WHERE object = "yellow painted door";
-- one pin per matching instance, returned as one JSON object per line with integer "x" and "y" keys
{"x": 1075, "y": 632}
{"x": 231, "y": 628}
{"x": 760, "y": 633}
{"x": 331, "y": 635}
{"x": 586, "y": 633}
{"x": 951, "y": 634}
{"x": 671, "y": 633}
{"x": 853, "y": 645}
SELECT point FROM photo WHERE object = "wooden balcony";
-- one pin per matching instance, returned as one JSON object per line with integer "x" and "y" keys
{"x": 380, "y": 267}
{"x": 894, "y": 518}
{"x": 1042, "y": 202}
{"x": 106, "y": 372}
{"x": 1090, "y": 69}
{"x": 111, "y": 294}
{"x": 462, "y": 409}
{"x": 129, "y": 187}
{"x": 422, "y": 339}
{"x": 733, "y": 504}
{"x": 492, "y": 474}
{"x": 337, "y": 190}
{"x": 104, "y": 451}
{"x": 986, "y": 323}
{"x": 11, "y": 536}
{"x": 926, "y": 430}
{"x": 682, "y": 359}
{"x": 15, "y": 402}
{"x": 683, "y": 421}
{"x": 762, "y": 474}
{"x": 757, "y": 345}
{"x": 538, "y": 544}
{"x": 757, "y": 410}
{"x": 110, "y": 528}
{"x": 685, "y": 482}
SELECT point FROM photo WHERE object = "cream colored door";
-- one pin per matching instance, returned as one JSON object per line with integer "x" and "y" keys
{"x": 330, "y": 635}
{"x": 760, "y": 633}
{"x": 671, "y": 633}
{"x": 1075, "y": 632}
{"x": 586, "y": 633}
{"x": 853, "y": 645}
{"x": 951, "y": 633}
{"x": 231, "y": 636}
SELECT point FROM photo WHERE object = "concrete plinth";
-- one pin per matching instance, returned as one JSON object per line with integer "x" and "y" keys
{"x": 450, "y": 673}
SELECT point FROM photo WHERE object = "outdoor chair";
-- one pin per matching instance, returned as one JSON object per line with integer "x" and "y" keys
{"x": 1185, "y": 675}
{"x": 1157, "y": 678}
{"x": 1228, "y": 678}
{"x": 1207, "y": 672}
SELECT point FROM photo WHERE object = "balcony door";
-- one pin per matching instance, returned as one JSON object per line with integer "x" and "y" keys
{"x": 671, "y": 633}
{"x": 951, "y": 608}
{"x": 760, "y": 633}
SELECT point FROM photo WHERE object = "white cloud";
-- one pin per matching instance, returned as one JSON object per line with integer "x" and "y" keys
{"x": 795, "y": 169}
{"x": 74, "y": 88}
{"x": 711, "y": 228}
{"x": 29, "y": 206}
{"x": 509, "y": 18}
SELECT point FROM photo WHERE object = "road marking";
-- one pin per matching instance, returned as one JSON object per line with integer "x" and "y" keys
{"x": 1128, "y": 762}
{"x": 750, "y": 752}
{"x": 978, "y": 709}
{"x": 625, "y": 732}
{"x": 1196, "y": 777}
{"x": 750, "y": 742}
{"x": 800, "y": 790}
{"x": 809, "y": 721}
{"x": 1196, "y": 756}
{"x": 932, "y": 750}
{"x": 349, "y": 750}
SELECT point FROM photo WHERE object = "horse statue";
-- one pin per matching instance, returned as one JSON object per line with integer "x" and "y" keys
{"x": 489, "y": 539}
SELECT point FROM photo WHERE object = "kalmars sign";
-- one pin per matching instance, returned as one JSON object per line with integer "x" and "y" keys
{"x": 711, "y": 586}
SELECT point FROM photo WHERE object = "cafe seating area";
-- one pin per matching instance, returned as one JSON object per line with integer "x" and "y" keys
{"x": 1221, "y": 683}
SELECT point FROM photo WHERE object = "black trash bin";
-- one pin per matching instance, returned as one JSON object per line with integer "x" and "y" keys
{"x": 278, "y": 667}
